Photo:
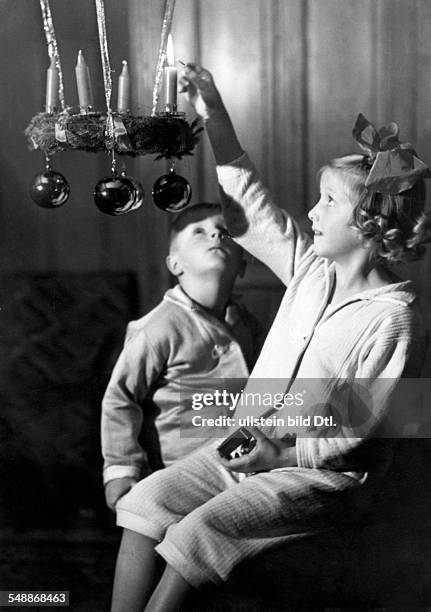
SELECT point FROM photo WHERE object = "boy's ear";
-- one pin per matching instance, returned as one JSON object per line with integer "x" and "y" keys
{"x": 174, "y": 265}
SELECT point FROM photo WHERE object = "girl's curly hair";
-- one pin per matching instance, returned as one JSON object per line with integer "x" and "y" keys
{"x": 396, "y": 226}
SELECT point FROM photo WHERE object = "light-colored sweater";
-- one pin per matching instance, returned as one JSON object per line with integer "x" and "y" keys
{"x": 174, "y": 351}
{"x": 371, "y": 336}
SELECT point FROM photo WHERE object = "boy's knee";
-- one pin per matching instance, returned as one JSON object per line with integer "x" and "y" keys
{"x": 144, "y": 494}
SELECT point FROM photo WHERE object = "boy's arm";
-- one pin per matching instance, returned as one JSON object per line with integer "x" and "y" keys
{"x": 252, "y": 218}
{"x": 137, "y": 367}
{"x": 115, "y": 489}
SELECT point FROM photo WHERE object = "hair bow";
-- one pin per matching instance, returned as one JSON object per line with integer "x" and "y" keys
{"x": 395, "y": 165}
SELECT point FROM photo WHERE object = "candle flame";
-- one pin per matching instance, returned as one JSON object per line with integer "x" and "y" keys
{"x": 170, "y": 51}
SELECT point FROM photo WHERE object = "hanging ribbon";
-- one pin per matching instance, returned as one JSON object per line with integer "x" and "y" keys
{"x": 166, "y": 28}
{"x": 107, "y": 75}
{"x": 51, "y": 40}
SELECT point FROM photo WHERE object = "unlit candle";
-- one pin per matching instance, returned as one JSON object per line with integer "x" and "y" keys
{"x": 83, "y": 83}
{"x": 123, "y": 89}
{"x": 51, "y": 100}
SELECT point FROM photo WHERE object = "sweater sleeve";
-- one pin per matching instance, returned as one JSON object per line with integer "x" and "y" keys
{"x": 137, "y": 368}
{"x": 256, "y": 223}
{"x": 367, "y": 407}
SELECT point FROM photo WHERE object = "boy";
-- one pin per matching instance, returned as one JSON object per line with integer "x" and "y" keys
{"x": 195, "y": 335}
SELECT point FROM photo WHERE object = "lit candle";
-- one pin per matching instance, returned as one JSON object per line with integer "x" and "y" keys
{"x": 83, "y": 83}
{"x": 51, "y": 100}
{"x": 170, "y": 79}
{"x": 123, "y": 89}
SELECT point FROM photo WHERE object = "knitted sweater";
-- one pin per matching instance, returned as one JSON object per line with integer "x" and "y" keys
{"x": 174, "y": 351}
{"x": 374, "y": 335}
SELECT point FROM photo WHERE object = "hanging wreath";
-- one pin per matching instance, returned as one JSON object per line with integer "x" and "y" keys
{"x": 167, "y": 137}
{"x": 165, "y": 134}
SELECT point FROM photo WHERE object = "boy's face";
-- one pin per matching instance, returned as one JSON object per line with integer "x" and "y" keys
{"x": 334, "y": 236}
{"x": 204, "y": 246}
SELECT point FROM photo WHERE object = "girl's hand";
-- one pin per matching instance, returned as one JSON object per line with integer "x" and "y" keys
{"x": 198, "y": 85}
{"x": 268, "y": 454}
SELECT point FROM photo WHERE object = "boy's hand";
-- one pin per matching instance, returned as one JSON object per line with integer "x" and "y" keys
{"x": 114, "y": 489}
{"x": 268, "y": 454}
{"x": 201, "y": 91}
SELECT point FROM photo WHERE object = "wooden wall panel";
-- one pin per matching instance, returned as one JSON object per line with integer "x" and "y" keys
{"x": 397, "y": 76}
{"x": 234, "y": 59}
{"x": 285, "y": 111}
{"x": 339, "y": 77}
{"x": 423, "y": 137}
{"x": 422, "y": 86}
{"x": 403, "y": 93}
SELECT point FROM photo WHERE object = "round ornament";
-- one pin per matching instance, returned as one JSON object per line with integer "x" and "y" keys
{"x": 115, "y": 195}
{"x": 49, "y": 189}
{"x": 171, "y": 192}
{"x": 139, "y": 193}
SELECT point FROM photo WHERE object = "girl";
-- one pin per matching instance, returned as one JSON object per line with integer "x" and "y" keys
{"x": 343, "y": 317}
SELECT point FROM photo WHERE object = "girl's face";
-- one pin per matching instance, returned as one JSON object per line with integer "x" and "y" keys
{"x": 334, "y": 236}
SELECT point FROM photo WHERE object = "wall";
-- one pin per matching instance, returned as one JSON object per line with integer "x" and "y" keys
{"x": 294, "y": 74}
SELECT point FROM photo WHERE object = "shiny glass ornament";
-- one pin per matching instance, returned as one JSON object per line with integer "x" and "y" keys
{"x": 115, "y": 195}
{"x": 49, "y": 189}
{"x": 139, "y": 193}
{"x": 171, "y": 192}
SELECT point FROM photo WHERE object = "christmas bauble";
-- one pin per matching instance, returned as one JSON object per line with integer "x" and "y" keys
{"x": 115, "y": 195}
{"x": 171, "y": 192}
{"x": 139, "y": 193}
{"x": 49, "y": 189}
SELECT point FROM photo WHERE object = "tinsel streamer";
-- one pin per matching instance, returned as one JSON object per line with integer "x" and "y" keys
{"x": 107, "y": 75}
{"x": 51, "y": 40}
{"x": 166, "y": 28}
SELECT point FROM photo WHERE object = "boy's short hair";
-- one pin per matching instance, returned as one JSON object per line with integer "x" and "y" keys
{"x": 395, "y": 224}
{"x": 191, "y": 214}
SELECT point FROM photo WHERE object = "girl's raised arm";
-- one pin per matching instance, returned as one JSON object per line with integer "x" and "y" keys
{"x": 256, "y": 223}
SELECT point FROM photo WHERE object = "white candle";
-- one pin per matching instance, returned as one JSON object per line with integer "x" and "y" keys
{"x": 170, "y": 79}
{"x": 51, "y": 100}
{"x": 123, "y": 89}
{"x": 90, "y": 88}
{"x": 83, "y": 83}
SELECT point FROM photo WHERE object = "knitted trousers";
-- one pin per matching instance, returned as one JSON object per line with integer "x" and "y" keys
{"x": 208, "y": 519}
